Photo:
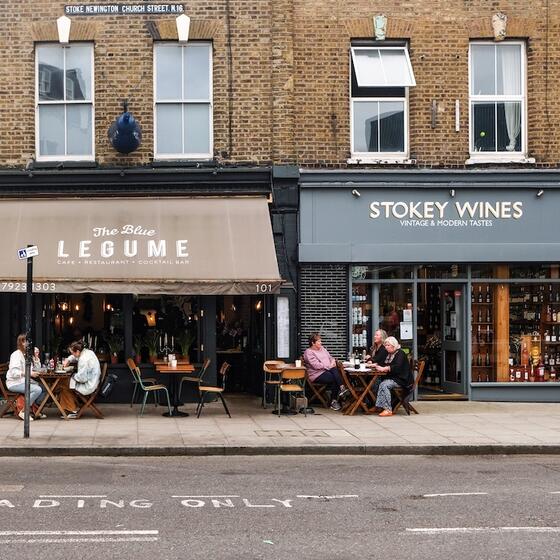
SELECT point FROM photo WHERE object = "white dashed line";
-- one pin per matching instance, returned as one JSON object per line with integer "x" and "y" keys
{"x": 464, "y": 530}
{"x": 338, "y": 497}
{"x": 455, "y": 494}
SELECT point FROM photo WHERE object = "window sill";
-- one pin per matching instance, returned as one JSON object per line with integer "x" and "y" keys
{"x": 380, "y": 161}
{"x": 475, "y": 160}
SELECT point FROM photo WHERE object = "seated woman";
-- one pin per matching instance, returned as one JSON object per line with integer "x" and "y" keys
{"x": 321, "y": 369}
{"x": 377, "y": 352}
{"x": 84, "y": 381}
{"x": 397, "y": 374}
{"x": 15, "y": 380}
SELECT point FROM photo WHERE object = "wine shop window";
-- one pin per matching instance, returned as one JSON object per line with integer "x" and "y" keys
{"x": 497, "y": 86}
{"x": 515, "y": 332}
{"x": 380, "y": 78}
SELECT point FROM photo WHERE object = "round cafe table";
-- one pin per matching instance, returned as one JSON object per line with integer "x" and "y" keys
{"x": 173, "y": 385}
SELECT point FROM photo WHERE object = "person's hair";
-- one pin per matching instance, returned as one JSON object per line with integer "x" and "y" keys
{"x": 383, "y": 335}
{"x": 313, "y": 338}
{"x": 392, "y": 341}
{"x": 77, "y": 346}
{"x": 21, "y": 342}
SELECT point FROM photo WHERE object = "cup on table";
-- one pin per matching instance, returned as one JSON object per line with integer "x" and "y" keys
{"x": 298, "y": 363}
{"x": 363, "y": 366}
{"x": 173, "y": 363}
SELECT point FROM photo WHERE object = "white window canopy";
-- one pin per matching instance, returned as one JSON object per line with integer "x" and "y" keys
{"x": 382, "y": 67}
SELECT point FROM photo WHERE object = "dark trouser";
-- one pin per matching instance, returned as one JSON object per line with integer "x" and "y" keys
{"x": 333, "y": 378}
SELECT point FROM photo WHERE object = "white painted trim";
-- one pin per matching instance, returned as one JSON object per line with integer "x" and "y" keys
{"x": 379, "y": 49}
{"x": 183, "y": 102}
{"x": 65, "y": 103}
{"x": 367, "y": 159}
{"x": 496, "y": 157}
{"x": 500, "y": 99}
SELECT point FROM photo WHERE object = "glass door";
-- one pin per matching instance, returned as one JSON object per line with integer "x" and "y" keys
{"x": 453, "y": 336}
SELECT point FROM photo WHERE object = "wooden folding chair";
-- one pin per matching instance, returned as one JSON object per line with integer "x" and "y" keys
{"x": 8, "y": 397}
{"x": 88, "y": 400}
{"x": 402, "y": 395}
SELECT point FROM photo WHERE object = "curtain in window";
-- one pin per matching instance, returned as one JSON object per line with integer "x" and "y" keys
{"x": 511, "y": 79}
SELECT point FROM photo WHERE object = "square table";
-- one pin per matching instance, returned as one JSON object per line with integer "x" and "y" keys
{"x": 359, "y": 393}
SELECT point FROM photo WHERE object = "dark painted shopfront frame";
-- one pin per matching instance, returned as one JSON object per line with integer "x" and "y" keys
{"x": 484, "y": 391}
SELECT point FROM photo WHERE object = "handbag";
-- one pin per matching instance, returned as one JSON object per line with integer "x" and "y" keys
{"x": 108, "y": 385}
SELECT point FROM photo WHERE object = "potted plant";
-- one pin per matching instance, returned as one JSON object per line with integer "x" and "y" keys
{"x": 115, "y": 343}
{"x": 137, "y": 347}
{"x": 185, "y": 339}
{"x": 151, "y": 341}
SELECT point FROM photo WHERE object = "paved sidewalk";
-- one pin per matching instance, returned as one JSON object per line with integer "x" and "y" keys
{"x": 440, "y": 428}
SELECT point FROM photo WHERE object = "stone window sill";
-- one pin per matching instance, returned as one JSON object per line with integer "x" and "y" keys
{"x": 476, "y": 160}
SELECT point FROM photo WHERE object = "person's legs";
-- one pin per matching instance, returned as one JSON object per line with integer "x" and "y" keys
{"x": 66, "y": 396}
{"x": 384, "y": 394}
{"x": 332, "y": 378}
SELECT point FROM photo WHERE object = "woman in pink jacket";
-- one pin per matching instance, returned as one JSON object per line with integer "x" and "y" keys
{"x": 321, "y": 369}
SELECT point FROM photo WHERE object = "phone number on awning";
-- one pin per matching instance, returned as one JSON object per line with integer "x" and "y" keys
{"x": 22, "y": 286}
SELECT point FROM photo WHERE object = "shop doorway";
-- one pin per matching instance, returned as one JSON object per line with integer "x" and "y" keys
{"x": 442, "y": 329}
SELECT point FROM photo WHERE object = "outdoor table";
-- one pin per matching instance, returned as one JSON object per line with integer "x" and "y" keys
{"x": 359, "y": 393}
{"x": 50, "y": 381}
{"x": 166, "y": 363}
{"x": 173, "y": 385}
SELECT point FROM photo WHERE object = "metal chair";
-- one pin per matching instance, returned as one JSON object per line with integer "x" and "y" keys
{"x": 272, "y": 374}
{"x": 151, "y": 380}
{"x": 207, "y": 389}
{"x": 149, "y": 389}
{"x": 292, "y": 381}
{"x": 194, "y": 378}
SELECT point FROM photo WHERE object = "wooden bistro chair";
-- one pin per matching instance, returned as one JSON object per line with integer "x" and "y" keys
{"x": 403, "y": 395}
{"x": 148, "y": 380}
{"x": 8, "y": 397}
{"x": 292, "y": 381}
{"x": 210, "y": 390}
{"x": 318, "y": 391}
{"x": 150, "y": 389}
{"x": 195, "y": 378}
{"x": 272, "y": 374}
{"x": 88, "y": 401}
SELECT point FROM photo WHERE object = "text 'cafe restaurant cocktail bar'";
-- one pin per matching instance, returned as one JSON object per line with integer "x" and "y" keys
{"x": 462, "y": 267}
{"x": 139, "y": 277}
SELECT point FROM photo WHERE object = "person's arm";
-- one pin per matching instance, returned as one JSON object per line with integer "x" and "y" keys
{"x": 312, "y": 360}
{"x": 15, "y": 371}
{"x": 81, "y": 375}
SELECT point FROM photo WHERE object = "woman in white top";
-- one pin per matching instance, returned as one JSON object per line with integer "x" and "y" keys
{"x": 15, "y": 377}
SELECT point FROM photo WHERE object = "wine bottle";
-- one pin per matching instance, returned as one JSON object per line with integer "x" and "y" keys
{"x": 479, "y": 294}
{"x": 487, "y": 361}
{"x": 524, "y": 355}
{"x": 488, "y": 317}
{"x": 488, "y": 296}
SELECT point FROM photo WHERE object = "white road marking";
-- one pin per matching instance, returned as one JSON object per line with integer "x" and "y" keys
{"x": 340, "y": 496}
{"x": 73, "y": 496}
{"x": 82, "y": 533}
{"x": 79, "y": 540}
{"x": 11, "y": 487}
{"x": 456, "y": 494}
{"x": 209, "y": 496}
{"x": 440, "y": 530}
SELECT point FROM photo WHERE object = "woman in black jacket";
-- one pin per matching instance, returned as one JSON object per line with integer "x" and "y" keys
{"x": 396, "y": 373}
{"x": 377, "y": 352}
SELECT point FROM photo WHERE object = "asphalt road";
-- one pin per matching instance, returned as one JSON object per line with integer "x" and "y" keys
{"x": 280, "y": 507}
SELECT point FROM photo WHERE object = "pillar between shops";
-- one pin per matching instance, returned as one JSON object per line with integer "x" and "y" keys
{"x": 501, "y": 312}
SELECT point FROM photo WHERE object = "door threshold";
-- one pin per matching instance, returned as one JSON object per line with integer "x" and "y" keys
{"x": 443, "y": 397}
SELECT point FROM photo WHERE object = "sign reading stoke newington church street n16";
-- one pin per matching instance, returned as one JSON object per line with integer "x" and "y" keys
{"x": 122, "y": 9}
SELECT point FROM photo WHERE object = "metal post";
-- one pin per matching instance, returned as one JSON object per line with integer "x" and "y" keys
{"x": 29, "y": 344}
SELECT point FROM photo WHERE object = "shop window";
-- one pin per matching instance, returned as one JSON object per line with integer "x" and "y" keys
{"x": 380, "y": 78}
{"x": 183, "y": 100}
{"x": 383, "y": 272}
{"x": 442, "y": 271}
{"x": 395, "y": 313}
{"x": 497, "y": 99}
{"x": 64, "y": 102}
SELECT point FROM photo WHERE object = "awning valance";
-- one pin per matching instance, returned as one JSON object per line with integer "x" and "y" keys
{"x": 144, "y": 246}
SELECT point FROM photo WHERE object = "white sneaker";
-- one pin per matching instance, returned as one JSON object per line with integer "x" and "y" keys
{"x": 21, "y": 414}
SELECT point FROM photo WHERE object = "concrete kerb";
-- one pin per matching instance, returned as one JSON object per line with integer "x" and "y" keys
{"x": 221, "y": 450}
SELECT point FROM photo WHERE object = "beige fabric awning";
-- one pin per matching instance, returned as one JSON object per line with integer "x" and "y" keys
{"x": 143, "y": 246}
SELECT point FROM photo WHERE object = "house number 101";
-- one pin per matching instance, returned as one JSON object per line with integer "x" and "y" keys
{"x": 264, "y": 288}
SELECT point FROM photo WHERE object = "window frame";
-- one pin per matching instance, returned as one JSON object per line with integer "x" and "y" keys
{"x": 473, "y": 99}
{"x": 379, "y": 157}
{"x": 380, "y": 48}
{"x": 210, "y": 102}
{"x": 64, "y": 103}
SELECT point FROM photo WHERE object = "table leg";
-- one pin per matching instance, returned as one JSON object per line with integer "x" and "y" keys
{"x": 174, "y": 398}
{"x": 50, "y": 390}
{"x": 360, "y": 401}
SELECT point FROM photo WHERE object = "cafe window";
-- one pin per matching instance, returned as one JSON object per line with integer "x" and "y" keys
{"x": 64, "y": 102}
{"x": 380, "y": 78}
{"x": 183, "y": 100}
{"x": 497, "y": 99}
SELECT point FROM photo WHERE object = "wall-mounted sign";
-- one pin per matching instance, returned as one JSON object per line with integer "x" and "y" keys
{"x": 122, "y": 9}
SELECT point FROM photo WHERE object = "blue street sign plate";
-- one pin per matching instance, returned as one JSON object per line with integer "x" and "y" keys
{"x": 28, "y": 252}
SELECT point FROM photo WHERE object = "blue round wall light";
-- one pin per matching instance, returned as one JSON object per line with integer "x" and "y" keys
{"x": 125, "y": 134}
